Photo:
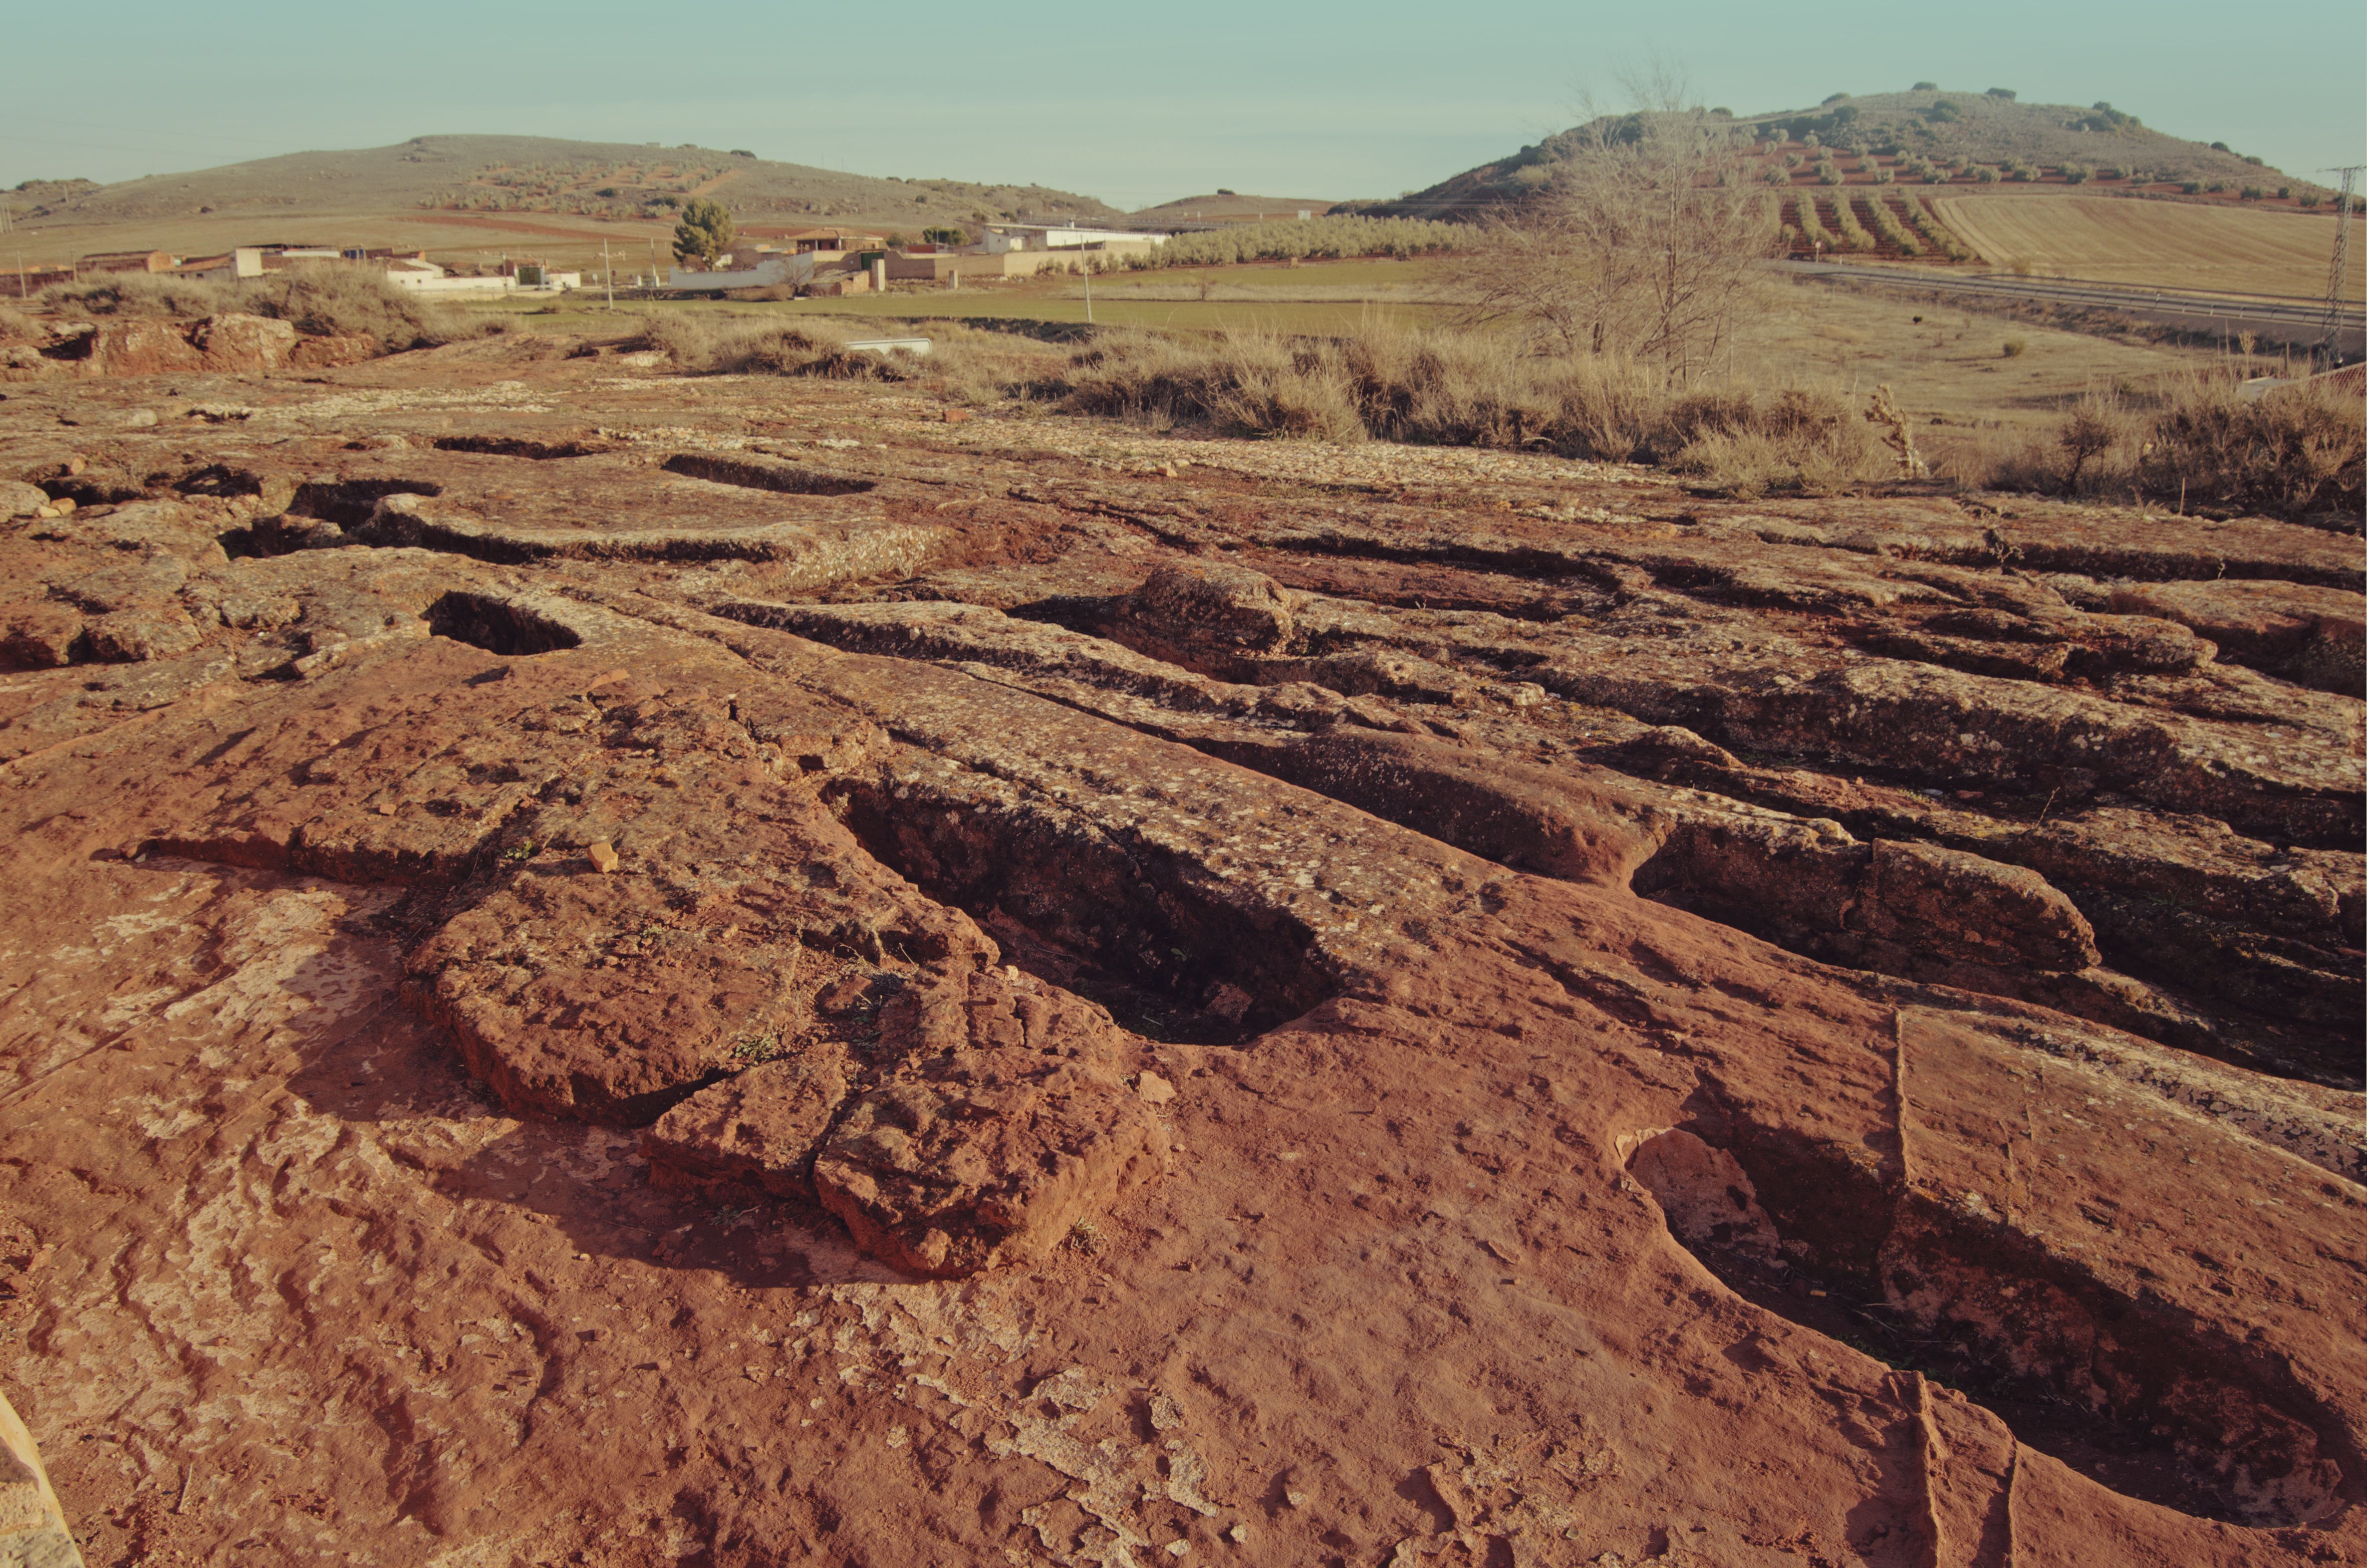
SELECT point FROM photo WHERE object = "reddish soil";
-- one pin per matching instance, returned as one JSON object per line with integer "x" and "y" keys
{"x": 612, "y": 969}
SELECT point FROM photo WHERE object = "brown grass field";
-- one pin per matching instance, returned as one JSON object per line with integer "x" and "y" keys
{"x": 2216, "y": 248}
{"x": 1948, "y": 366}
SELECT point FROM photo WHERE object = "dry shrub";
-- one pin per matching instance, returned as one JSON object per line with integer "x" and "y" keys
{"x": 703, "y": 344}
{"x": 2296, "y": 451}
{"x": 1240, "y": 383}
{"x": 17, "y": 327}
{"x": 356, "y": 302}
{"x": 137, "y": 294}
{"x": 1801, "y": 439}
{"x": 1481, "y": 389}
{"x": 325, "y": 300}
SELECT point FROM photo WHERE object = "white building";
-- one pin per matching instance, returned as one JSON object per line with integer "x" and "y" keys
{"x": 779, "y": 269}
{"x": 1002, "y": 237}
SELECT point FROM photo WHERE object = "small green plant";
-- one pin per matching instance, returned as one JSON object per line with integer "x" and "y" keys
{"x": 2191, "y": 186}
{"x": 1986, "y": 174}
{"x": 2253, "y": 193}
{"x": 1085, "y": 1236}
{"x": 2012, "y": 348}
{"x": 757, "y": 1048}
{"x": 519, "y": 852}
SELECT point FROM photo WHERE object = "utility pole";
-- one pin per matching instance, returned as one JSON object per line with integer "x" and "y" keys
{"x": 1085, "y": 261}
{"x": 2334, "y": 274}
{"x": 607, "y": 274}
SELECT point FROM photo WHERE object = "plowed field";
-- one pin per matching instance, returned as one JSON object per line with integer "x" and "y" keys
{"x": 2168, "y": 244}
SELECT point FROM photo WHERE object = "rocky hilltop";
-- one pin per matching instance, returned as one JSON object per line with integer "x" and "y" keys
{"x": 612, "y": 968}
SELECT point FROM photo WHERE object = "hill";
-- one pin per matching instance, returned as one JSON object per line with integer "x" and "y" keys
{"x": 1962, "y": 132}
{"x": 534, "y": 174}
{"x": 1231, "y": 207}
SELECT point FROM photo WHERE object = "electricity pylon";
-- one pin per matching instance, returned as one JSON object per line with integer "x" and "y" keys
{"x": 2335, "y": 278}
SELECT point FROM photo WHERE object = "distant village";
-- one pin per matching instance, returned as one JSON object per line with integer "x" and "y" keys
{"x": 818, "y": 261}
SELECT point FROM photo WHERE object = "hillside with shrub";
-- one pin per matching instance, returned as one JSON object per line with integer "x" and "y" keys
{"x": 1928, "y": 135}
{"x": 540, "y": 174}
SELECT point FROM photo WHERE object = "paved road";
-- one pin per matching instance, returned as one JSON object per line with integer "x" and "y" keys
{"x": 2296, "y": 322}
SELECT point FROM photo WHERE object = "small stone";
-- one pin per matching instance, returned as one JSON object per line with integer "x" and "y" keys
{"x": 957, "y": 416}
{"x": 1231, "y": 1002}
{"x": 140, "y": 418}
{"x": 64, "y": 503}
{"x": 603, "y": 855}
{"x": 1238, "y": 1534}
{"x": 1296, "y": 1499}
{"x": 1178, "y": 1548}
{"x": 1154, "y": 1089}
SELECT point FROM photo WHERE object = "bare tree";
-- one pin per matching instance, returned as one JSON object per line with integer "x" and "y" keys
{"x": 1642, "y": 239}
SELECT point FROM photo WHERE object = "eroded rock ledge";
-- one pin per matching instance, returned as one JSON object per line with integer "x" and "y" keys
{"x": 1554, "y": 1019}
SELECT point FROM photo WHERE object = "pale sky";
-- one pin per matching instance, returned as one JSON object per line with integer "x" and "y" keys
{"x": 1274, "y": 98}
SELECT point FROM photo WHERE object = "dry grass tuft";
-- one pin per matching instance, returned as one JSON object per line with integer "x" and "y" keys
{"x": 703, "y": 344}
{"x": 1476, "y": 389}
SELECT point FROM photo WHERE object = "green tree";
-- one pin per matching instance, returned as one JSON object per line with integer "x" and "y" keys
{"x": 944, "y": 236}
{"x": 703, "y": 233}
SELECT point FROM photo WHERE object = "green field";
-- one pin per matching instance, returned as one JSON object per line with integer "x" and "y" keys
{"x": 1315, "y": 297}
